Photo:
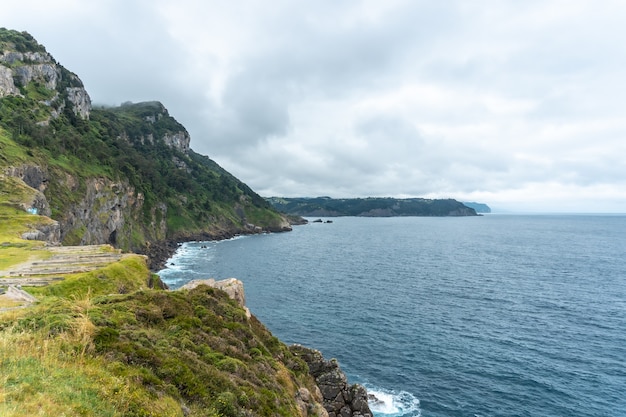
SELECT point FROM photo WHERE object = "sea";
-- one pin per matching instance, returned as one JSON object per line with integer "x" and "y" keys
{"x": 495, "y": 315}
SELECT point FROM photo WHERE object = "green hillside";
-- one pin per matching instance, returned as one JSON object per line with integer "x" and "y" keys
{"x": 104, "y": 340}
{"x": 134, "y": 158}
{"x": 88, "y": 330}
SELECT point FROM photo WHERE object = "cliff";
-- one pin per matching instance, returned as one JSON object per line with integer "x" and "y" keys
{"x": 92, "y": 331}
{"x": 27, "y": 68}
{"x": 121, "y": 175}
{"x": 98, "y": 336}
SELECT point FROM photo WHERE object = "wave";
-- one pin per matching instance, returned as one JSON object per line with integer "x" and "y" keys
{"x": 390, "y": 403}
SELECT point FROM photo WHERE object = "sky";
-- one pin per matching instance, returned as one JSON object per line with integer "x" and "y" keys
{"x": 517, "y": 104}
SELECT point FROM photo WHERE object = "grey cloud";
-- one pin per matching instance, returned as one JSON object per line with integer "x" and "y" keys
{"x": 498, "y": 99}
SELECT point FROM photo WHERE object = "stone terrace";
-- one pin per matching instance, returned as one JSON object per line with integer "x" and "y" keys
{"x": 64, "y": 260}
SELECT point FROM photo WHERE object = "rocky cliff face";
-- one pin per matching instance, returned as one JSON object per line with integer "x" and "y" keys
{"x": 178, "y": 140}
{"x": 7, "y": 86}
{"x": 81, "y": 102}
{"x": 18, "y": 69}
{"x": 340, "y": 398}
{"x": 31, "y": 181}
{"x": 106, "y": 212}
{"x": 110, "y": 212}
{"x": 36, "y": 178}
{"x": 155, "y": 112}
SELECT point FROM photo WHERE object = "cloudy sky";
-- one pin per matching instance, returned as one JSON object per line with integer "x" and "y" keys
{"x": 517, "y": 104}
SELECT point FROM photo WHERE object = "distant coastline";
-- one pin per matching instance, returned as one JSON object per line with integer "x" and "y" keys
{"x": 375, "y": 207}
{"x": 480, "y": 208}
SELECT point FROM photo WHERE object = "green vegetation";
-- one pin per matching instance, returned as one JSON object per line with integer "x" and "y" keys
{"x": 103, "y": 343}
{"x": 14, "y": 221}
{"x": 20, "y": 41}
{"x": 138, "y": 145}
{"x": 140, "y": 353}
{"x": 370, "y": 207}
{"x": 10, "y": 152}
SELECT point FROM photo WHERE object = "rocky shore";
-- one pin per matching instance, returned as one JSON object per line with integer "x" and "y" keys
{"x": 159, "y": 252}
{"x": 340, "y": 399}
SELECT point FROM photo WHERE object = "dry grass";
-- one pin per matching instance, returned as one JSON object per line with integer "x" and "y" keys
{"x": 44, "y": 374}
{"x": 6, "y": 302}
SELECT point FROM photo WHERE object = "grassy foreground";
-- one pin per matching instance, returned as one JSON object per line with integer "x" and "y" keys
{"x": 103, "y": 343}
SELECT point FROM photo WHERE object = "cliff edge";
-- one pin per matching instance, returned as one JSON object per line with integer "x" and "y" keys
{"x": 123, "y": 175}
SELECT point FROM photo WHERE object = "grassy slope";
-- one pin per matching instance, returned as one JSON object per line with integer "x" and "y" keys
{"x": 104, "y": 344}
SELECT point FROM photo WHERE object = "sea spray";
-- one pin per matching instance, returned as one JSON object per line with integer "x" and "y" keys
{"x": 389, "y": 403}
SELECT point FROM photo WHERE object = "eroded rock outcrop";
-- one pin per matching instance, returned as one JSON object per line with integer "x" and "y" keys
{"x": 33, "y": 175}
{"x": 107, "y": 213}
{"x": 18, "y": 69}
{"x": 231, "y": 286}
{"x": 47, "y": 232}
{"x": 81, "y": 102}
{"x": 340, "y": 398}
{"x": 29, "y": 182}
{"x": 179, "y": 140}
{"x": 7, "y": 86}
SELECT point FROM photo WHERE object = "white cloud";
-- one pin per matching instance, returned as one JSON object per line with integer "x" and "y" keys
{"x": 517, "y": 104}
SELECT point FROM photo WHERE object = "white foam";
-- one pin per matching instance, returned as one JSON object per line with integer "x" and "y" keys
{"x": 389, "y": 403}
{"x": 382, "y": 402}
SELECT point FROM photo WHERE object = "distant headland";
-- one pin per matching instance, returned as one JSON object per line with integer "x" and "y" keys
{"x": 375, "y": 207}
{"x": 479, "y": 207}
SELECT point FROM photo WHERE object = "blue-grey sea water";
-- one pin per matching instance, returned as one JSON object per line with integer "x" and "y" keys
{"x": 499, "y": 315}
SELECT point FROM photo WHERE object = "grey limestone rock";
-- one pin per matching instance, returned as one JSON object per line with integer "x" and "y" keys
{"x": 80, "y": 99}
{"x": 340, "y": 398}
{"x": 178, "y": 140}
{"x": 50, "y": 233}
{"x": 231, "y": 286}
{"x": 45, "y": 73}
{"x": 7, "y": 86}
{"x": 40, "y": 67}
{"x": 33, "y": 175}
